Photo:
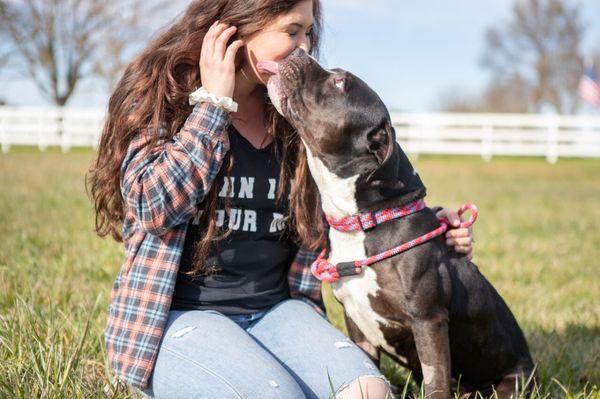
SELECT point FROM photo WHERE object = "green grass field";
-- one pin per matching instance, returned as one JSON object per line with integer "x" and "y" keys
{"x": 537, "y": 236}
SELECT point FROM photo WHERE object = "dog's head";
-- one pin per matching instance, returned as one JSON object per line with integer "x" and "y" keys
{"x": 344, "y": 125}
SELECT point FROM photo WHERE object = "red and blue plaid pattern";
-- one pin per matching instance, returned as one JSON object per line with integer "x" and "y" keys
{"x": 328, "y": 272}
{"x": 161, "y": 190}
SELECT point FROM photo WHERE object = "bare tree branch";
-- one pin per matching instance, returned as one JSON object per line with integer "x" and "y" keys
{"x": 538, "y": 54}
{"x": 510, "y": 96}
{"x": 119, "y": 44}
{"x": 4, "y": 40}
{"x": 61, "y": 42}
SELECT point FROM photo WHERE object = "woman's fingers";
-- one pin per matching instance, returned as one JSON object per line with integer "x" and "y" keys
{"x": 459, "y": 232}
{"x": 460, "y": 238}
{"x": 462, "y": 242}
{"x": 217, "y": 72}
{"x": 209, "y": 42}
{"x": 221, "y": 41}
{"x": 215, "y": 53}
{"x": 459, "y": 241}
{"x": 449, "y": 214}
{"x": 232, "y": 50}
{"x": 463, "y": 249}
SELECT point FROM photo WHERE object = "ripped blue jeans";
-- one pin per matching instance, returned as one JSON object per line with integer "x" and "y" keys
{"x": 287, "y": 351}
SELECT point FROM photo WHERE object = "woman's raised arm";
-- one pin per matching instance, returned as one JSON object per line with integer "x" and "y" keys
{"x": 164, "y": 186}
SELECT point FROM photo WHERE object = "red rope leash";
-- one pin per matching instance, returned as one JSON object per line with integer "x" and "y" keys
{"x": 328, "y": 272}
{"x": 368, "y": 220}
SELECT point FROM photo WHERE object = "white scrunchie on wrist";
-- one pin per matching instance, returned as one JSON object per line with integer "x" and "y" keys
{"x": 203, "y": 95}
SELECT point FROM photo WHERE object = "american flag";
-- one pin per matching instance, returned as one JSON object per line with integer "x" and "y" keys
{"x": 589, "y": 87}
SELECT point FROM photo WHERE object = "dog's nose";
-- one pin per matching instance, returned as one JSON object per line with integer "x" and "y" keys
{"x": 299, "y": 52}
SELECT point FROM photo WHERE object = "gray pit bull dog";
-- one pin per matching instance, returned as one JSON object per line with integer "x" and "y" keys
{"x": 428, "y": 308}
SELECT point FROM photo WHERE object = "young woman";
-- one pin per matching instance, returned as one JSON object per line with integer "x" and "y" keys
{"x": 215, "y": 297}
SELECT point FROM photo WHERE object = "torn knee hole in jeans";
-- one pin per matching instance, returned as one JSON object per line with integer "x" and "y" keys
{"x": 369, "y": 365}
{"x": 360, "y": 380}
{"x": 181, "y": 332}
{"x": 343, "y": 344}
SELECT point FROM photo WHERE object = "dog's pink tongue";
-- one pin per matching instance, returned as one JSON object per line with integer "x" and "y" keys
{"x": 268, "y": 67}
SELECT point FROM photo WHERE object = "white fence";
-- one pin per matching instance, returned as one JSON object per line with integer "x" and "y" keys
{"x": 487, "y": 135}
{"x": 50, "y": 126}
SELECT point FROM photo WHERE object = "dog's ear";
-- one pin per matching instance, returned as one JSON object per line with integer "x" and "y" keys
{"x": 395, "y": 175}
{"x": 378, "y": 142}
{"x": 382, "y": 144}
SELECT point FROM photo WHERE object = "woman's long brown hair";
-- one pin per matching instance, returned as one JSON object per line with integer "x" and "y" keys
{"x": 153, "y": 94}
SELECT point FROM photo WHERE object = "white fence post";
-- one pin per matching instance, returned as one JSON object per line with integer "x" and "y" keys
{"x": 4, "y": 136}
{"x": 413, "y": 137}
{"x": 64, "y": 142}
{"x": 552, "y": 143}
{"x": 486, "y": 142}
{"x": 64, "y": 132}
{"x": 40, "y": 137}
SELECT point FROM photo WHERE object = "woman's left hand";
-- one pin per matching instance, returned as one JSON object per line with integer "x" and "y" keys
{"x": 460, "y": 238}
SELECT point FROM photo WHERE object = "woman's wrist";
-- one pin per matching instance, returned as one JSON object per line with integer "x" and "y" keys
{"x": 203, "y": 95}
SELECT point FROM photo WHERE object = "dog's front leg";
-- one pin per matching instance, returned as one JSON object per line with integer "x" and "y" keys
{"x": 433, "y": 348}
{"x": 359, "y": 338}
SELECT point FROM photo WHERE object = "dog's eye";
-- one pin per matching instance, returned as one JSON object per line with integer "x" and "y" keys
{"x": 340, "y": 83}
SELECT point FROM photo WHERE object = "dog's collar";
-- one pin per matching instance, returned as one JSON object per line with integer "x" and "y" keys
{"x": 368, "y": 220}
{"x": 323, "y": 270}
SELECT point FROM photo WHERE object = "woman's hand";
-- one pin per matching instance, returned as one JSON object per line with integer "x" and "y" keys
{"x": 460, "y": 238}
{"x": 217, "y": 66}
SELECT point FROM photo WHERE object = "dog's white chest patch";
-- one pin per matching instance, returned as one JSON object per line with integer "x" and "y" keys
{"x": 354, "y": 292}
{"x": 337, "y": 194}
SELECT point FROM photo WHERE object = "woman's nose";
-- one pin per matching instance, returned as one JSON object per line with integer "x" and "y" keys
{"x": 305, "y": 45}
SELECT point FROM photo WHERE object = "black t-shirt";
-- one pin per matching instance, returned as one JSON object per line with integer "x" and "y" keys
{"x": 254, "y": 259}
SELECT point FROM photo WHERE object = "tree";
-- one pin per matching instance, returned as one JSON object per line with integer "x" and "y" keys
{"x": 4, "y": 56}
{"x": 118, "y": 44}
{"x": 509, "y": 96}
{"x": 455, "y": 99}
{"x": 4, "y": 52}
{"x": 4, "y": 48}
{"x": 535, "y": 57}
{"x": 61, "y": 42}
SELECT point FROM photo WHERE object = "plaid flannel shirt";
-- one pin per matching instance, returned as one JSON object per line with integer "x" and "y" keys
{"x": 161, "y": 190}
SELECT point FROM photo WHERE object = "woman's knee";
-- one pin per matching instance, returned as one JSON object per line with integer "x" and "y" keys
{"x": 178, "y": 376}
{"x": 366, "y": 386}
{"x": 317, "y": 352}
{"x": 205, "y": 354}
{"x": 291, "y": 305}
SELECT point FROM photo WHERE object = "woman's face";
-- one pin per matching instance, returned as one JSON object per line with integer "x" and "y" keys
{"x": 279, "y": 38}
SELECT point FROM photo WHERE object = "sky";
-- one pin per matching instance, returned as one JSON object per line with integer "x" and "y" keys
{"x": 408, "y": 52}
